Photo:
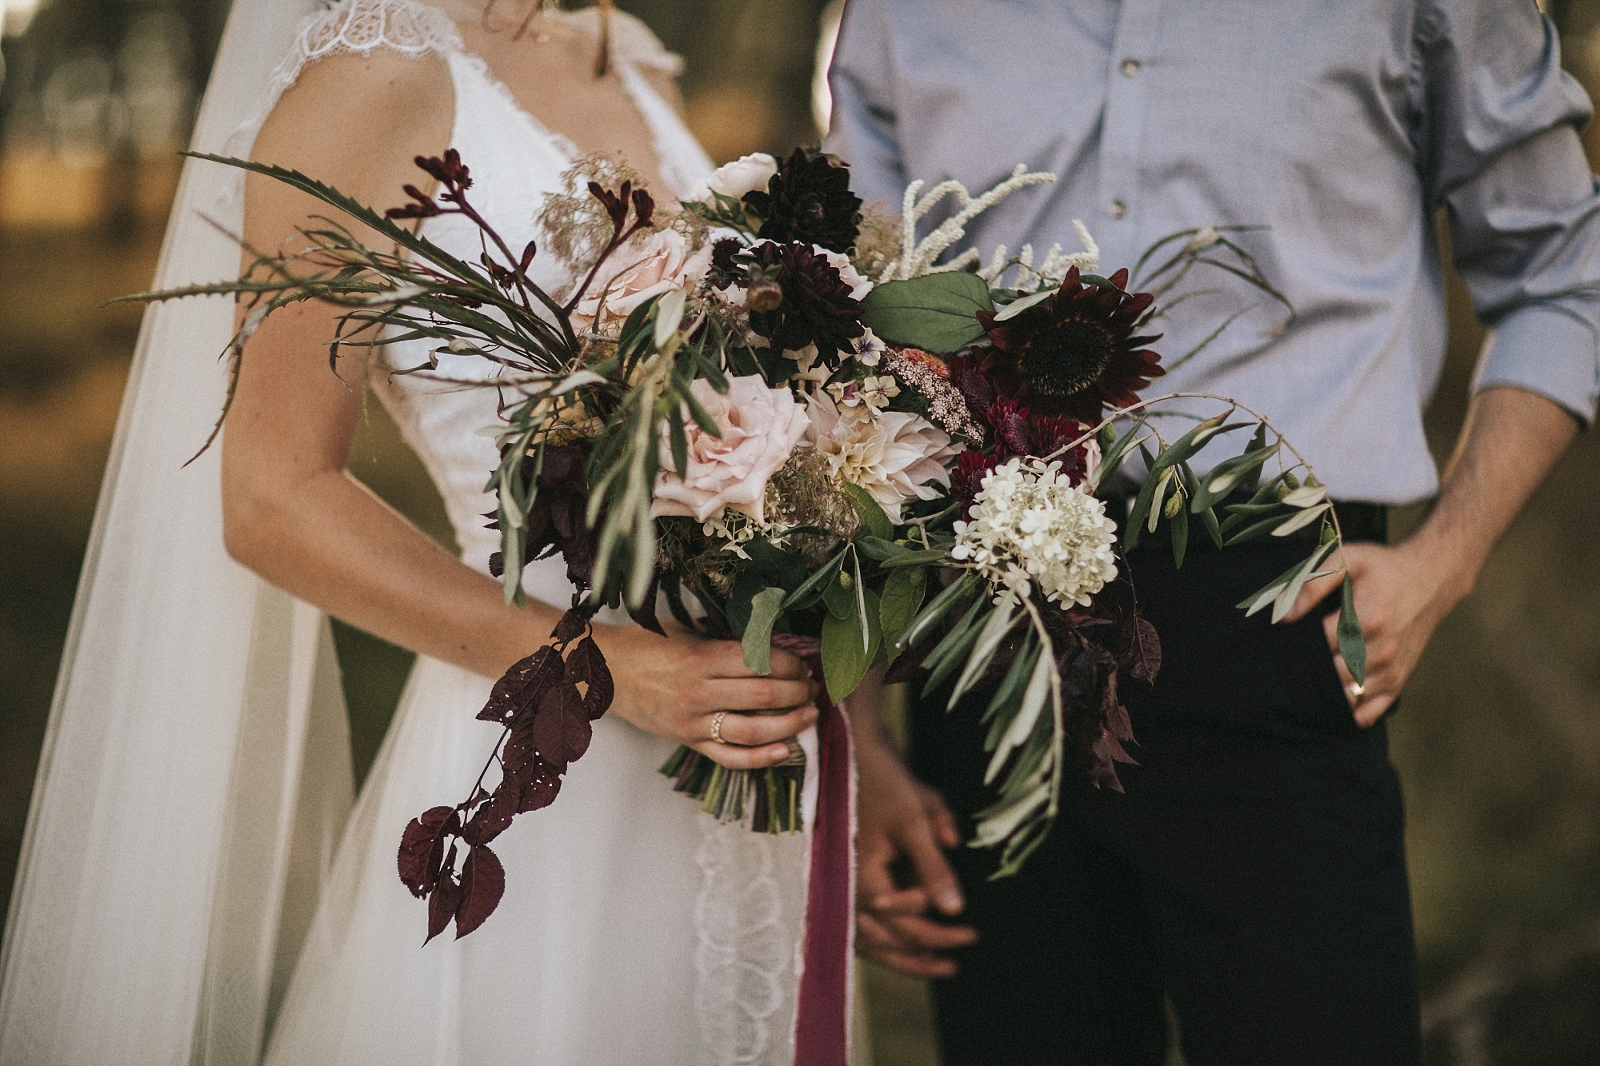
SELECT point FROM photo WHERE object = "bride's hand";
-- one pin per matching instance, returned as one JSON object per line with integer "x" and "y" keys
{"x": 674, "y": 687}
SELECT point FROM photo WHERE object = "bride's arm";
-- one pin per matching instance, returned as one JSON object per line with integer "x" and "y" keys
{"x": 293, "y": 514}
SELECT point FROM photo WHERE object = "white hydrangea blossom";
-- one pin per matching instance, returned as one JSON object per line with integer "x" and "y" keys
{"x": 1030, "y": 523}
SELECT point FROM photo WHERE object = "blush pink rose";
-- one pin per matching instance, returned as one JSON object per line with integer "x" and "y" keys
{"x": 759, "y": 429}
{"x": 646, "y": 268}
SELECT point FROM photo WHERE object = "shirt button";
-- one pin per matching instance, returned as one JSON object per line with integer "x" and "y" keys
{"x": 1130, "y": 67}
{"x": 1116, "y": 209}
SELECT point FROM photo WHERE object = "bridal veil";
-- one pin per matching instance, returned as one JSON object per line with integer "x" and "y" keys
{"x": 196, "y": 769}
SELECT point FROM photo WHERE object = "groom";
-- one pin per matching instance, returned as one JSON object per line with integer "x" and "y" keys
{"x": 1253, "y": 873}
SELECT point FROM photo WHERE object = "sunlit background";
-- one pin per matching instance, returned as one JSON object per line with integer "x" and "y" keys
{"x": 1499, "y": 738}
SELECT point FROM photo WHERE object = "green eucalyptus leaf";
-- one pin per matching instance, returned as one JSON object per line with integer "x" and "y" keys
{"x": 765, "y": 606}
{"x": 936, "y": 312}
{"x": 1022, "y": 303}
{"x": 785, "y": 568}
{"x": 918, "y": 557}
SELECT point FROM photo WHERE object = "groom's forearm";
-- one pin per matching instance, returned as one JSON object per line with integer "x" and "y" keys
{"x": 1511, "y": 441}
{"x": 1508, "y": 446}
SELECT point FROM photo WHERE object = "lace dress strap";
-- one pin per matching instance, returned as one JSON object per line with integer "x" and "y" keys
{"x": 353, "y": 27}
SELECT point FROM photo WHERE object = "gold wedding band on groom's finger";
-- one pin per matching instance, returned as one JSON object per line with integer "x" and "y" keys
{"x": 716, "y": 726}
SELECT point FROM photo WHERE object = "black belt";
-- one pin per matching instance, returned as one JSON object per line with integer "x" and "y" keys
{"x": 1357, "y": 522}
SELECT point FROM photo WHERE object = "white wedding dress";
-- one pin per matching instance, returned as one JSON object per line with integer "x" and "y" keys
{"x": 634, "y": 928}
{"x": 188, "y": 847}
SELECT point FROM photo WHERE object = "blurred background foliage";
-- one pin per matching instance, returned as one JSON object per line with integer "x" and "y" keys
{"x": 1499, "y": 738}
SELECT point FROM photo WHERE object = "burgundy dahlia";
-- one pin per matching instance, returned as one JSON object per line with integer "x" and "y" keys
{"x": 966, "y": 479}
{"x": 809, "y": 200}
{"x": 816, "y": 305}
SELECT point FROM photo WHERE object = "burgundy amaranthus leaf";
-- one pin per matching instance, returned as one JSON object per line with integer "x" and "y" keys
{"x": 422, "y": 848}
{"x": 546, "y": 704}
{"x": 483, "y": 882}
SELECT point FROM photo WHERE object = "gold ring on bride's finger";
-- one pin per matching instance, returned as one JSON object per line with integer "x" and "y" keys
{"x": 1356, "y": 690}
{"x": 716, "y": 726}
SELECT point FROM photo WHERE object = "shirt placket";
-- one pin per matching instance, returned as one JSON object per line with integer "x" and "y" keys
{"x": 1129, "y": 66}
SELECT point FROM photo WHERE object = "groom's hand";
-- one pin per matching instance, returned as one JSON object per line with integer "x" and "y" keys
{"x": 904, "y": 825}
{"x": 1511, "y": 440}
{"x": 1401, "y": 594}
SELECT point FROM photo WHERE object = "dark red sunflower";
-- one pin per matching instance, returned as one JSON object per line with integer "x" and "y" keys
{"x": 1074, "y": 353}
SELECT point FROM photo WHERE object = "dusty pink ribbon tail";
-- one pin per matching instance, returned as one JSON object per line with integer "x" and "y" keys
{"x": 822, "y": 1014}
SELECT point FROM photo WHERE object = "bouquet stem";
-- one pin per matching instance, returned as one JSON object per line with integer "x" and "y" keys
{"x": 768, "y": 801}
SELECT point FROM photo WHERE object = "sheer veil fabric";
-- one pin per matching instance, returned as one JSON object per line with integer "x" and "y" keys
{"x": 194, "y": 792}
{"x": 168, "y": 819}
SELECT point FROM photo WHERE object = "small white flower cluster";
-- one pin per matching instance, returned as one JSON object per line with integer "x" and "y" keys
{"x": 874, "y": 391}
{"x": 1030, "y": 523}
{"x": 736, "y": 528}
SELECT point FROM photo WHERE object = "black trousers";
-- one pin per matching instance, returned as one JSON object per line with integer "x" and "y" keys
{"x": 1253, "y": 872}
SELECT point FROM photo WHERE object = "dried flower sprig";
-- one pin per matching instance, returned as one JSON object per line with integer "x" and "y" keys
{"x": 918, "y": 257}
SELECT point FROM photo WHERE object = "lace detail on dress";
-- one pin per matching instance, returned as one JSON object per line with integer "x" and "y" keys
{"x": 746, "y": 915}
{"x": 353, "y": 27}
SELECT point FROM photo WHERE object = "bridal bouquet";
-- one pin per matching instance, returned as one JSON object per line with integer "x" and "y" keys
{"x": 784, "y": 419}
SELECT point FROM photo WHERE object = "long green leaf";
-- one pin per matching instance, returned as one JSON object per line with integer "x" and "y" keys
{"x": 870, "y": 511}
{"x": 844, "y": 658}
{"x": 1352, "y": 645}
{"x": 815, "y": 583}
{"x": 1291, "y": 592}
{"x": 950, "y": 652}
{"x": 994, "y": 631}
{"x": 934, "y": 613}
{"x": 1016, "y": 676}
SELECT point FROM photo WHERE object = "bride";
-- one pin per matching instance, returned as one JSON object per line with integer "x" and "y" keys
{"x": 196, "y": 885}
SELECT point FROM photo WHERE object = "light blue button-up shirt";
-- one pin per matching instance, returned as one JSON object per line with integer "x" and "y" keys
{"x": 1337, "y": 124}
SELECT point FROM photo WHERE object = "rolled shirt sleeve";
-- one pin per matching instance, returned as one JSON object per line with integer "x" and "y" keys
{"x": 1499, "y": 146}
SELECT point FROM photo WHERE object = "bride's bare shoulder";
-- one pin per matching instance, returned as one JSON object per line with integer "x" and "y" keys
{"x": 358, "y": 119}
